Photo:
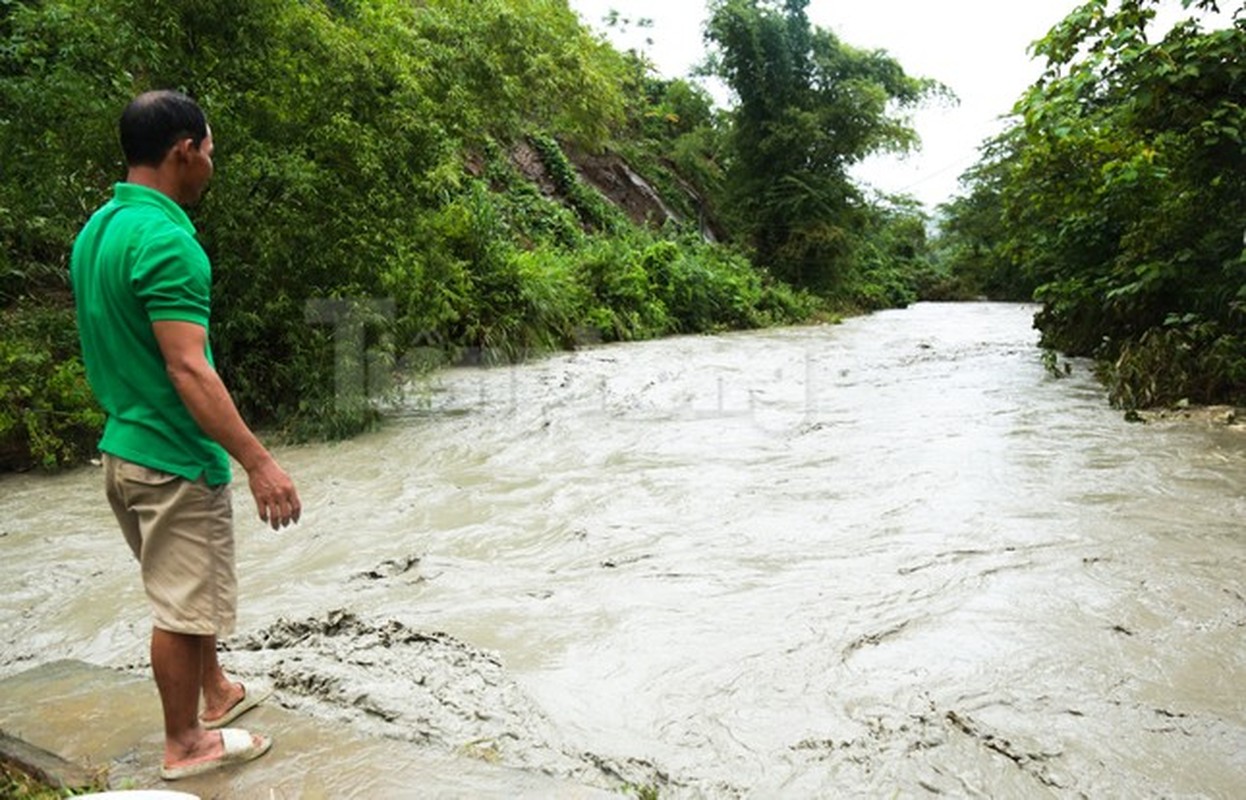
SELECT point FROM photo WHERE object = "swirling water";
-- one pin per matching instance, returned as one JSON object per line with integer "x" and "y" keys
{"x": 891, "y": 556}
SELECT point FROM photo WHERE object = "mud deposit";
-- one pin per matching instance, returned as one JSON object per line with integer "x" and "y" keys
{"x": 430, "y": 688}
{"x": 893, "y": 557}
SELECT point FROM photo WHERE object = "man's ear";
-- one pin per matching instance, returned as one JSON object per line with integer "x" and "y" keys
{"x": 182, "y": 149}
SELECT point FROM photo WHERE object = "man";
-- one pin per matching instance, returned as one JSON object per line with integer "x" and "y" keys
{"x": 142, "y": 286}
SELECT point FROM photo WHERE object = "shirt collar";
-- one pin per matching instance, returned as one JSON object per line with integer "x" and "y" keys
{"x": 132, "y": 194}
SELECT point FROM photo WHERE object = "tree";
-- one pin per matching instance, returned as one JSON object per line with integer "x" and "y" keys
{"x": 1124, "y": 197}
{"x": 808, "y": 108}
{"x": 972, "y": 241}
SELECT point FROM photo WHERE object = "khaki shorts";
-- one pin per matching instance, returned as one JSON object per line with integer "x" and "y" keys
{"x": 182, "y": 533}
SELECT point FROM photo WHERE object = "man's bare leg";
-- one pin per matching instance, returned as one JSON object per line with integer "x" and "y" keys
{"x": 219, "y": 693}
{"x": 177, "y": 661}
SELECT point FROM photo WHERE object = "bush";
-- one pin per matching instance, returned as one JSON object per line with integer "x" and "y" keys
{"x": 1188, "y": 360}
{"x": 48, "y": 416}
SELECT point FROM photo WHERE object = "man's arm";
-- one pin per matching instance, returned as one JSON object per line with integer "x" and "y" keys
{"x": 183, "y": 345}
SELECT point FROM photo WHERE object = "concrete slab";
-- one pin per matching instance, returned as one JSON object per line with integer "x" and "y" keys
{"x": 101, "y": 718}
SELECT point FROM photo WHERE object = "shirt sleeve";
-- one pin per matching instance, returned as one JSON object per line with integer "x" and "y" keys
{"x": 173, "y": 279}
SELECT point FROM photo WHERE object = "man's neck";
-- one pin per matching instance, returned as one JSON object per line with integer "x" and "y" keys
{"x": 154, "y": 178}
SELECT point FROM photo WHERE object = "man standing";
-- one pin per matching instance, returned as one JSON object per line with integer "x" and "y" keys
{"x": 142, "y": 286}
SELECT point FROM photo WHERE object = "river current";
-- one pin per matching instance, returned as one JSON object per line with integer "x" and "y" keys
{"x": 890, "y": 557}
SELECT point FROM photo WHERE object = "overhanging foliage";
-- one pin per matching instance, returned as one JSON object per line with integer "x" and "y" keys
{"x": 1120, "y": 193}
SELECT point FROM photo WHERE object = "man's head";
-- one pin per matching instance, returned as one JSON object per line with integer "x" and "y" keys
{"x": 167, "y": 132}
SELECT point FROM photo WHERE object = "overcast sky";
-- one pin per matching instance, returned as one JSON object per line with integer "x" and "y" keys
{"x": 976, "y": 47}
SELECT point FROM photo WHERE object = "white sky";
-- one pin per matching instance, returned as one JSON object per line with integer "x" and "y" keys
{"x": 976, "y": 47}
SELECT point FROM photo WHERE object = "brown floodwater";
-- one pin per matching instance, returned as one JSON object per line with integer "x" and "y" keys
{"x": 892, "y": 557}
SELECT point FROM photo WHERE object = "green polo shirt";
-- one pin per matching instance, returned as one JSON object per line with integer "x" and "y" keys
{"x": 137, "y": 262}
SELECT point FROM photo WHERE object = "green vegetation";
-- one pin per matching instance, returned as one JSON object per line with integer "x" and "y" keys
{"x": 809, "y": 107}
{"x": 15, "y": 784}
{"x": 20, "y": 786}
{"x": 643, "y": 792}
{"x": 373, "y": 155}
{"x": 1118, "y": 197}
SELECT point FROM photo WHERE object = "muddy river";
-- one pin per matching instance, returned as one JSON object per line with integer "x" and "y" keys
{"x": 892, "y": 557}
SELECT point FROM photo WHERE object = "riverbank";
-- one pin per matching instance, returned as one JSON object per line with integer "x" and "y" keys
{"x": 83, "y": 726}
{"x": 1230, "y": 417}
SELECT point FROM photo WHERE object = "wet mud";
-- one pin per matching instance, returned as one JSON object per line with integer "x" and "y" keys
{"x": 388, "y": 679}
{"x": 894, "y": 557}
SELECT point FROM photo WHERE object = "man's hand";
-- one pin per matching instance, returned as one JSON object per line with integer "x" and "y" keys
{"x": 276, "y": 499}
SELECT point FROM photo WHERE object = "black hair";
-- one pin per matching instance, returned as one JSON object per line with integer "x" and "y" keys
{"x": 154, "y": 121}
